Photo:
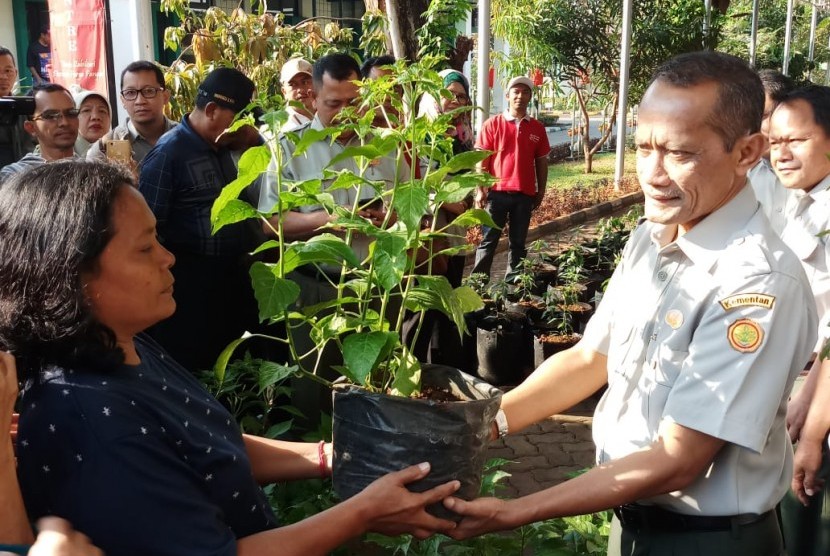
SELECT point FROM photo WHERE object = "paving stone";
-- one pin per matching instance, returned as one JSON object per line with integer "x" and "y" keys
{"x": 560, "y": 457}
{"x": 521, "y": 445}
{"x": 552, "y": 438}
{"x": 502, "y": 452}
{"x": 526, "y": 464}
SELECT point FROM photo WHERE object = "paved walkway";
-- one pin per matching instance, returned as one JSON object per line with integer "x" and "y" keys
{"x": 551, "y": 451}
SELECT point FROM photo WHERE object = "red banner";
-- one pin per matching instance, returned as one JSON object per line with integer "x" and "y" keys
{"x": 78, "y": 44}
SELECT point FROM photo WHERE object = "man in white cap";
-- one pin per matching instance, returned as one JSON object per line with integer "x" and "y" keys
{"x": 520, "y": 165}
{"x": 297, "y": 87}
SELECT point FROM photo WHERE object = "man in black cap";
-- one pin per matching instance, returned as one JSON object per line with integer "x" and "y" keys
{"x": 180, "y": 179}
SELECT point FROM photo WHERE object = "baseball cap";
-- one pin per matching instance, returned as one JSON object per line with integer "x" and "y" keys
{"x": 292, "y": 67}
{"x": 520, "y": 80}
{"x": 227, "y": 87}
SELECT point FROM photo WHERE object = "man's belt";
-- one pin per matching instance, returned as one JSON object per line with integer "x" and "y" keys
{"x": 644, "y": 519}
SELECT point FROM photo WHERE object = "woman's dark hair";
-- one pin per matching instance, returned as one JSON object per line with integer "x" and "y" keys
{"x": 55, "y": 221}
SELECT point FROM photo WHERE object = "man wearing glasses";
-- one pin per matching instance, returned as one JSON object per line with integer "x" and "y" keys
{"x": 144, "y": 97}
{"x": 54, "y": 125}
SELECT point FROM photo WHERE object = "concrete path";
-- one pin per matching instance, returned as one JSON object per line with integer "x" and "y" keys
{"x": 551, "y": 451}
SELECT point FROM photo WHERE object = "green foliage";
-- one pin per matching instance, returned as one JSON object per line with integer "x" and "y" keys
{"x": 360, "y": 321}
{"x": 258, "y": 44}
{"x": 437, "y": 36}
{"x": 769, "y": 52}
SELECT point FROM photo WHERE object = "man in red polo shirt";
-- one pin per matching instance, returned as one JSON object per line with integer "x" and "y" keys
{"x": 520, "y": 165}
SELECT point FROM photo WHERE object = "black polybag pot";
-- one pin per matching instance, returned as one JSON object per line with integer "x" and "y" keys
{"x": 505, "y": 348}
{"x": 375, "y": 434}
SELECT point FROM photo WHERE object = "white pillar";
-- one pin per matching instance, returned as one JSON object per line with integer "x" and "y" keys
{"x": 812, "y": 51}
{"x": 625, "y": 51}
{"x": 7, "y": 30}
{"x": 753, "y": 34}
{"x": 785, "y": 69}
{"x": 132, "y": 32}
{"x": 483, "y": 100}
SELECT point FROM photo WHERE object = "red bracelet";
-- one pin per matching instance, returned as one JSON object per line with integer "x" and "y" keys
{"x": 321, "y": 459}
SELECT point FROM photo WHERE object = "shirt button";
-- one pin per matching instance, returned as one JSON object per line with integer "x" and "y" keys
{"x": 662, "y": 275}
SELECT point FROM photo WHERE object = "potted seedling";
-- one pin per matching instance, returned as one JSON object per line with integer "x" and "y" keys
{"x": 389, "y": 410}
{"x": 559, "y": 331}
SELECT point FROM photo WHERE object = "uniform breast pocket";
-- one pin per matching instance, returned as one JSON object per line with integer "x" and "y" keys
{"x": 623, "y": 344}
{"x": 665, "y": 366}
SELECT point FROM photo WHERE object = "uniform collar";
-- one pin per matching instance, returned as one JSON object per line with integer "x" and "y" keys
{"x": 509, "y": 117}
{"x": 818, "y": 192}
{"x": 704, "y": 243}
{"x": 168, "y": 125}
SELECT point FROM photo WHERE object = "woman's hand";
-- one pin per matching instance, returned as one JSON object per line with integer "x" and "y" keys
{"x": 58, "y": 538}
{"x": 393, "y": 510}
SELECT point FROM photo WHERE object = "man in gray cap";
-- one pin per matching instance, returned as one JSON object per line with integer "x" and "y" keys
{"x": 297, "y": 87}
{"x": 520, "y": 165}
{"x": 180, "y": 178}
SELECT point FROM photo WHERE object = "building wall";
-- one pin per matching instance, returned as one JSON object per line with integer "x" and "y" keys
{"x": 7, "y": 34}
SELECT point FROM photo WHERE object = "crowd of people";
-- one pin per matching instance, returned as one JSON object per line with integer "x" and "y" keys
{"x": 718, "y": 306}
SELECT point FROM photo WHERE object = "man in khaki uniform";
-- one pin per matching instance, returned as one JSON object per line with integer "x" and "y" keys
{"x": 705, "y": 324}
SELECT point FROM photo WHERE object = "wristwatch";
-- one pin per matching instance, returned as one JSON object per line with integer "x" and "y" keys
{"x": 501, "y": 423}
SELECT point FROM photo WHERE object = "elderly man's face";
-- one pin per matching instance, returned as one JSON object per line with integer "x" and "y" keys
{"x": 684, "y": 169}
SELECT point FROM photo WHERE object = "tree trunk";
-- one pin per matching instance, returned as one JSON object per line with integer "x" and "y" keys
{"x": 586, "y": 137}
{"x": 405, "y": 18}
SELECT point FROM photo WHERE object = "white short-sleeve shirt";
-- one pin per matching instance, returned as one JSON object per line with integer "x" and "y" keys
{"x": 807, "y": 216}
{"x": 708, "y": 331}
{"x": 312, "y": 163}
{"x": 771, "y": 193}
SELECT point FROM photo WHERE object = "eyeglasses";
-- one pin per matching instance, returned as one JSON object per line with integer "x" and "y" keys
{"x": 146, "y": 92}
{"x": 461, "y": 97}
{"x": 56, "y": 115}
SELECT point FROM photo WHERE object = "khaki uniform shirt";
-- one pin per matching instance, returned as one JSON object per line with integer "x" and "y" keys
{"x": 771, "y": 193}
{"x": 708, "y": 331}
{"x": 311, "y": 164}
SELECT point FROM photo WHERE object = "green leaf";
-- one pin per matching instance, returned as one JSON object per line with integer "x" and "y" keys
{"x": 279, "y": 429}
{"x": 468, "y": 299}
{"x": 271, "y": 373}
{"x": 466, "y": 160}
{"x": 274, "y": 295}
{"x": 321, "y": 249}
{"x": 270, "y": 244}
{"x": 410, "y": 203}
{"x": 362, "y": 352}
{"x": 233, "y": 211}
{"x": 309, "y": 137}
{"x": 222, "y": 361}
{"x": 475, "y": 217}
{"x": 366, "y": 151}
{"x": 390, "y": 258}
{"x": 407, "y": 376}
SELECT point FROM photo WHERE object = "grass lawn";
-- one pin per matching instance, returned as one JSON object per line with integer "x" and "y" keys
{"x": 564, "y": 175}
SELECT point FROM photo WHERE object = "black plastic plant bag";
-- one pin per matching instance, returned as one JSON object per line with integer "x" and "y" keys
{"x": 375, "y": 434}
